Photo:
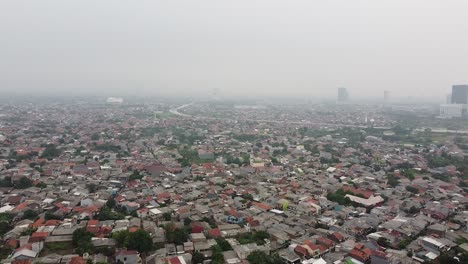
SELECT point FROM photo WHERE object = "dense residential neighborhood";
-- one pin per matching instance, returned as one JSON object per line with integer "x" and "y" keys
{"x": 213, "y": 183}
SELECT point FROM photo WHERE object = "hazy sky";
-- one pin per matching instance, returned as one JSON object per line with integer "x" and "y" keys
{"x": 304, "y": 48}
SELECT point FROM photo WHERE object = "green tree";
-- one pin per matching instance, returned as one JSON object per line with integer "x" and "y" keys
{"x": 29, "y": 214}
{"x": 392, "y": 180}
{"x": 404, "y": 243}
{"x": 51, "y": 216}
{"x": 198, "y": 258}
{"x": 41, "y": 185}
{"x": 28, "y": 231}
{"x": 408, "y": 173}
{"x": 413, "y": 210}
{"x": 91, "y": 188}
{"x": 223, "y": 244}
{"x": 139, "y": 240}
{"x": 412, "y": 189}
{"x": 260, "y": 237}
{"x": 95, "y": 136}
{"x": 187, "y": 221}
{"x": 111, "y": 203}
{"x": 50, "y": 152}
{"x": 105, "y": 213}
{"x": 135, "y": 176}
{"x": 5, "y": 223}
{"x": 120, "y": 237}
{"x": 81, "y": 239}
{"x": 217, "y": 256}
{"x": 23, "y": 183}
{"x": 260, "y": 257}
{"x": 6, "y": 182}
{"x": 383, "y": 242}
{"x": 176, "y": 235}
{"x": 167, "y": 216}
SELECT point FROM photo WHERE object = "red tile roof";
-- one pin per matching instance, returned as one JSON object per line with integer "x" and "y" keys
{"x": 86, "y": 209}
{"x": 12, "y": 243}
{"x": 21, "y": 206}
{"x": 133, "y": 229}
{"x": 311, "y": 245}
{"x": 38, "y": 223}
{"x": 174, "y": 260}
{"x": 301, "y": 250}
{"x": 359, "y": 255}
{"x": 93, "y": 222}
{"x": 325, "y": 241}
{"x": 77, "y": 260}
{"x": 23, "y": 261}
{"x": 364, "y": 193}
{"x": 215, "y": 232}
{"x": 261, "y": 206}
{"x": 93, "y": 229}
{"x": 40, "y": 234}
{"x": 53, "y": 222}
{"x": 124, "y": 252}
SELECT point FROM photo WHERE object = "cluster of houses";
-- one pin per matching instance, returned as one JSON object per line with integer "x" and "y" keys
{"x": 319, "y": 199}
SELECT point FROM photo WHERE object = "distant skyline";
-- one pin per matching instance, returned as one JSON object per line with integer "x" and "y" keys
{"x": 250, "y": 48}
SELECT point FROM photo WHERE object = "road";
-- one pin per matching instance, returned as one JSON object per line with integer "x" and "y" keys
{"x": 175, "y": 111}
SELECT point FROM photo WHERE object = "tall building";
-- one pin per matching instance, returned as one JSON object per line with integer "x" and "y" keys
{"x": 114, "y": 100}
{"x": 460, "y": 94}
{"x": 448, "y": 99}
{"x": 453, "y": 110}
{"x": 386, "y": 96}
{"x": 343, "y": 95}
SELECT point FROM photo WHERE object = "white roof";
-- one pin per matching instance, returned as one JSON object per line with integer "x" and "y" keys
{"x": 155, "y": 211}
{"x": 48, "y": 200}
{"x": 368, "y": 202}
{"x": 314, "y": 261}
{"x": 25, "y": 252}
{"x": 6, "y": 208}
{"x": 431, "y": 255}
{"x": 433, "y": 241}
{"x": 275, "y": 211}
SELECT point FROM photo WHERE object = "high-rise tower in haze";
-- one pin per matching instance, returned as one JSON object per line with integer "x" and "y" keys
{"x": 460, "y": 94}
{"x": 386, "y": 96}
{"x": 448, "y": 99}
{"x": 343, "y": 95}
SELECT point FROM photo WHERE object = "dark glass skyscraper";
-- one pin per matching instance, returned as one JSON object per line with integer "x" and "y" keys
{"x": 460, "y": 94}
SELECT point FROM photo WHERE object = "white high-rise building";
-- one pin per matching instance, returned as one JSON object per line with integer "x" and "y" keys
{"x": 114, "y": 100}
{"x": 453, "y": 110}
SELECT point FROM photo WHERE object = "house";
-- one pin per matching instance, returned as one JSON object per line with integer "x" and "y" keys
{"x": 437, "y": 229}
{"x": 327, "y": 243}
{"x": 15, "y": 200}
{"x": 336, "y": 237}
{"x": 369, "y": 202}
{"x": 77, "y": 260}
{"x": 130, "y": 206}
{"x": 38, "y": 236}
{"x": 155, "y": 212}
{"x": 155, "y": 170}
{"x": 302, "y": 252}
{"x": 25, "y": 253}
{"x": 359, "y": 255}
{"x": 127, "y": 256}
{"x": 197, "y": 237}
{"x": 25, "y": 261}
{"x": 176, "y": 260}
{"x": 433, "y": 245}
{"x": 143, "y": 212}
{"x": 86, "y": 202}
